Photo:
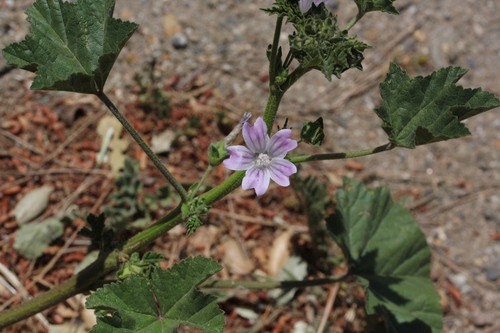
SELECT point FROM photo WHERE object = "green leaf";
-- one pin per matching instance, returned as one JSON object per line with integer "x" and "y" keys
{"x": 318, "y": 42}
{"x": 429, "y": 109}
{"x": 160, "y": 304}
{"x": 366, "y": 6}
{"x": 312, "y": 132}
{"x": 71, "y": 47}
{"x": 388, "y": 254}
{"x": 33, "y": 238}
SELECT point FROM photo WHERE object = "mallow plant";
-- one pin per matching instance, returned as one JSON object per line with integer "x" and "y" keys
{"x": 73, "y": 46}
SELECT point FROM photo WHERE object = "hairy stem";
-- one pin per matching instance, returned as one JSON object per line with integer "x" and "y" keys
{"x": 111, "y": 261}
{"x": 271, "y": 109}
{"x": 137, "y": 137}
{"x": 344, "y": 155}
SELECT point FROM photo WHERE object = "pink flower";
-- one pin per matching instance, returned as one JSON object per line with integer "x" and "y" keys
{"x": 305, "y": 5}
{"x": 264, "y": 159}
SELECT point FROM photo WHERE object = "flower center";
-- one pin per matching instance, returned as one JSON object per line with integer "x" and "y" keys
{"x": 262, "y": 160}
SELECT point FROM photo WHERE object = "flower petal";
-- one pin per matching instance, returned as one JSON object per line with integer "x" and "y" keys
{"x": 281, "y": 143}
{"x": 256, "y": 136}
{"x": 256, "y": 178}
{"x": 240, "y": 158}
{"x": 280, "y": 171}
{"x": 305, "y": 5}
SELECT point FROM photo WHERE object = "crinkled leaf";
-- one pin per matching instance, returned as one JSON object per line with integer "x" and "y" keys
{"x": 159, "y": 304}
{"x": 33, "y": 238}
{"x": 429, "y": 109}
{"x": 318, "y": 42}
{"x": 71, "y": 47}
{"x": 365, "y": 6}
{"x": 388, "y": 254}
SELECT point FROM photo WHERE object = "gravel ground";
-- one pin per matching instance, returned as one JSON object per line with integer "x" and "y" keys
{"x": 224, "y": 43}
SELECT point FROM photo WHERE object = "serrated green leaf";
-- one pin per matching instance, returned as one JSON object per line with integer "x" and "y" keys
{"x": 33, "y": 238}
{"x": 71, "y": 47}
{"x": 429, "y": 109}
{"x": 388, "y": 254}
{"x": 159, "y": 304}
{"x": 366, "y": 6}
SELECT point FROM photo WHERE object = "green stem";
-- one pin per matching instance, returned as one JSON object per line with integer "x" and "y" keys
{"x": 353, "y": 21}
{"x": 110, "y": 261}
{"x": 193, "y": 193}
{"x": 136, "y": 136}
{"x": 345, "y": 155}
{"x": 293, "y": 77}
{"x": 274, "y": 51}
{"x": 271, "y": 109}
{"x": 229, "y": 284}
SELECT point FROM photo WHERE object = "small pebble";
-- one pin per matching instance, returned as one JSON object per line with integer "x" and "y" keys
{"x": 460, "y": 281}
{"x": 179, "y": 41}
{"x": 493, "y": 273}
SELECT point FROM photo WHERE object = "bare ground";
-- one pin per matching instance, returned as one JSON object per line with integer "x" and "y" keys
{"x": 453, "y": 188}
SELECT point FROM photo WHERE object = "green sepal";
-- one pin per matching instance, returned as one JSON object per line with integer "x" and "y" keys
{"x": 312, "y": 132}
{"x": 139, "y": 266}
{"x": 217, "y": 153}
{"x": 192, "y": 212}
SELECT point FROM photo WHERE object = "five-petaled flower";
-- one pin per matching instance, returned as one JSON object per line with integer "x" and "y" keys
{"x": 263, "y": 158}
{"x": 305, "y": 5}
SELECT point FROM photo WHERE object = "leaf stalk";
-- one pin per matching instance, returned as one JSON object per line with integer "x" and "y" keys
{"x": 137, "y": 137}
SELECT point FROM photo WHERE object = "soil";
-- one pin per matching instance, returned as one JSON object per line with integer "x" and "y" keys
{"x": 209, "y": 57}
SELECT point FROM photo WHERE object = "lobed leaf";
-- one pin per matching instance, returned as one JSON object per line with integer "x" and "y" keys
{"x": 365, "y": 6}
{"x": 429, "y": 109}
{"x": 71, "y": 47}
{"x": 159, "y": 304}
{"x": 318, "y": 42}
{"x": 388, "y": 254}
